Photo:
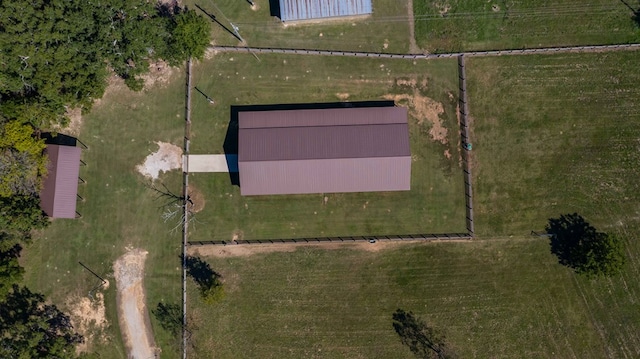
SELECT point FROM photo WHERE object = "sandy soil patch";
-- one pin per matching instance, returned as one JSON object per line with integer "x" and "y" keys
{"x": 243, "y": 250}
{"x": 168, "y": 157}
{"x": 197, "y": 199}
{"x": 75, "y": 122}
{"x": 342, "y": 96}
{"x": 88, "y": 319}
{"x": 133, "y": 315}
{"x": 424, "y": 108}
{"x": 160, "y": 74}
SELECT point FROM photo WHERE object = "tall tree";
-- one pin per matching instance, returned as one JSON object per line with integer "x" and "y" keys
{"x": 30, "y": 328}
{"x": 423, "y": 341}
{"x": 22, "y": 162}
{"x": 580, "y": 246}
{"x": 190, "y": 36}
{"x": 10, "y": 270}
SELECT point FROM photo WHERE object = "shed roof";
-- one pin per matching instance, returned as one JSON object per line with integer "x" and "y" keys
{"x": 60, "y": 189}
{"x": 324, "y": 151}
{"x": 295, "y": 10}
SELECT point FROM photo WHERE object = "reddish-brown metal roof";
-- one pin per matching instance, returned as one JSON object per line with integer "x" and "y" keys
{"x": 60, "y": 189}
{"x": 324, "y": 150}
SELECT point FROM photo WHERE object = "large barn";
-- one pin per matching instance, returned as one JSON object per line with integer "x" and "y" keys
{"x": 300, "y": 10}
{"x": 329, "y": 150}
{"x": 60, "y": 189}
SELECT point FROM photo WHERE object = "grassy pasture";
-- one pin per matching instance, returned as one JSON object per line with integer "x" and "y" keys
{"x": 435, "y": 203}
{"x": 497, "y": 299}
{"x": 560, "y": 134}
{"x": 455, "y": 25}
{"x": 388, "y": 25}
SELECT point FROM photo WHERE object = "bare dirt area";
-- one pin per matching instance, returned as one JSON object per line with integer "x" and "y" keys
{"x": 422, "y": 108}
{"x": 133, "y": 315}
{"x": 242, "y": 250}
{"x": 168, "y": 157}
{"x": 196, "y": 197}
{"x": 160, "y": 74}
{"x": 89, "y": 319}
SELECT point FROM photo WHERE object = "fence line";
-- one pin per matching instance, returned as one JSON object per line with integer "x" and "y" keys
{"x": 340, "y": 239}
{"x": 466, "y": 143}
{"x": 185, "y": 207}
{"x": 272, "y": 50}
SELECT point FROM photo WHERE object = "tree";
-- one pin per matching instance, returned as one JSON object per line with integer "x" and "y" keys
{"x": 208, "y": 281}
{"x": 21, "y": 214}
{"x": 22, "y": 161}
{"x": 10, "y": 270}
{"x": 190, "y": 36}
{"x": 423, "y": 341}
{"x": 30, "y": 328}
{"x": 580, "y": 246}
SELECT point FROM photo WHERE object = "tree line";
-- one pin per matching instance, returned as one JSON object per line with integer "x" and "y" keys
{"x": 56, "y": 55}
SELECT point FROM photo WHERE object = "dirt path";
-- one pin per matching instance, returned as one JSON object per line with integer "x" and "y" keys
{"x": 133, "y": 315}
{"x": 413, "y": 46}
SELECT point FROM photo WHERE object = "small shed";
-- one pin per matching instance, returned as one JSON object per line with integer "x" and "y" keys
{"x": 325, "y": 150}
{"x": 60, "y": 189}
{"x": 300, "y": 10}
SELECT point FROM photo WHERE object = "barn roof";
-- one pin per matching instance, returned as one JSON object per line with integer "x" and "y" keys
{"x": 58, "y": 195}
{"x": 324, "y": 150}
{"x": 295, "y": 10}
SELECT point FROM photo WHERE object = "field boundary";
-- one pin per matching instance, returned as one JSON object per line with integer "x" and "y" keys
{"x": 307, "y": 240}
{"x": 543, "y": 50}
{"x": 463, "y": 109}
{"x": 185, "y": 206}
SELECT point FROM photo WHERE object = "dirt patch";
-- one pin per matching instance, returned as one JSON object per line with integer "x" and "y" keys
{"x": 243, "y": 250}
{"x": 197, "y": 199}
{"x": 88, "y": 319}
{"x": 160, "y": 74}
{"x": 342, "y": 96}
{"x": 168, "y": 157}
{"x": 75, "y": 122}
{"x": 133, "y": 315}
{"x": 443, "y": 8}
{"x": 421, "y": 108}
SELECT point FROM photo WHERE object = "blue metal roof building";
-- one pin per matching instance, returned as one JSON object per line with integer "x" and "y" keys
{"x": 296, "y": 10}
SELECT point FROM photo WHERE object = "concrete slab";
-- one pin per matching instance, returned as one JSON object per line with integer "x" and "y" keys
{"x": 211, "y": 163}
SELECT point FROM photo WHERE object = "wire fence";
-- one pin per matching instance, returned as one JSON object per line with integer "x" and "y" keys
{"x": 546, "y": 50}
{"x": 340, "y": 239}
{"x": 185, "y": 206}
{"x": 466, "y": 143}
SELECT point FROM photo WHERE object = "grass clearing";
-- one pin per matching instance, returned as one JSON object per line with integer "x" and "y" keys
{"x": 457, "y": 25}
{"x": 387, "y": 30}
{"x": 119, "y": 211}
{"x": 560, "y": 134}
{"x": 436, "y": 201}
{"x": 499, "y": 299}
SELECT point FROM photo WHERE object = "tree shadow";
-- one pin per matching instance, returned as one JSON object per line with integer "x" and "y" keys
{"x": 566, "y": 236}
{"x": 636, "y": 13}
{"x": 422, "y": 340}
{"x": 201, "y": 273}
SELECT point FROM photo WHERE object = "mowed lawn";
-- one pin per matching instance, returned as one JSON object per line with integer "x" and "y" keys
{"x": 435, "y": 203}
{"x": 119, "y": 211}
{"x": 386, "y": 30}
{"x": 456, "y": 25}
{"x": 492, "y": 299}
{"x": 560, "y": 134}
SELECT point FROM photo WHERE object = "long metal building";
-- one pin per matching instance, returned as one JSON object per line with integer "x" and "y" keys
{"x": 330, "y": 150}
{"x": 60, "y": 189}
{"x": 297, "y": 10}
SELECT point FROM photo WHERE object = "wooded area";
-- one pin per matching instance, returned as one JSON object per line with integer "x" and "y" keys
{"x": 57, "y": 55}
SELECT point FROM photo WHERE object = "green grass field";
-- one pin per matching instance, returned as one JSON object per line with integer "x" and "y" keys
{"x": 387, "y": 30}
{"x": 551, "y": 135}
{"x": 455, "y": 25}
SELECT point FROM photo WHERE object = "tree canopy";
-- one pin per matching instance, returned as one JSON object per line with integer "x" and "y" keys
{"x": 55, "y": 53}
{"x": 580, "y": 246}
{"x": 30, "y": 328}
